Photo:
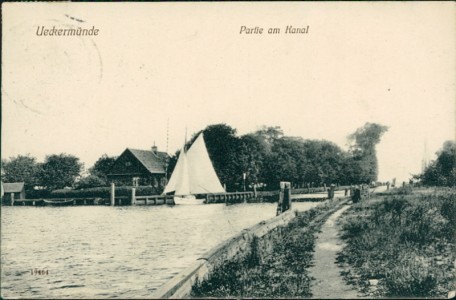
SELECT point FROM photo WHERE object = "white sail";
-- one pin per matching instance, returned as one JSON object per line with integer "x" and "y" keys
{"x": 178, "y": 183}
{"x": 194, "y": 173}
{"x": 203, "y": 179}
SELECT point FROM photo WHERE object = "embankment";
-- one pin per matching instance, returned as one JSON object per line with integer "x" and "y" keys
{"x": 273, "y": 254}
{"x": 402, "y": 244}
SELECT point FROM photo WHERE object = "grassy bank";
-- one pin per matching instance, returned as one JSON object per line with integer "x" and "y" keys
{"x": 279, "y": 272}
{"x": 403, "y": 242}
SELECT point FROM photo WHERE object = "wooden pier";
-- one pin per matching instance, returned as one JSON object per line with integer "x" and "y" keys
{"x": 297, "y": 195}
{"x": 153, "y": 200}
{"x": 229, "y": 198}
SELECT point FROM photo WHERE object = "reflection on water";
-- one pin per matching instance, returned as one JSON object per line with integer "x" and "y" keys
{"x": 112, "y": 252}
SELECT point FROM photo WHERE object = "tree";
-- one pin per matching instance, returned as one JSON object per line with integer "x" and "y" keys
{"x": 284, "y": 162}
{"x": 90, "y": 182}
{"x": 59, "y": 171}
{"x": 442, "y": 171}
{"x": 251, "y": 158}
{"x": 22, "y": 168}
{"x": 363, "y": 142}
{"x": 325, "y": 162}
{"x": 267, "y": 135}
{"x": 102, "y": 166}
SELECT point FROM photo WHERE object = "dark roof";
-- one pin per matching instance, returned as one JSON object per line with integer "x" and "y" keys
{"x": 153, "y": 162}
{"x": 14, "y": 187}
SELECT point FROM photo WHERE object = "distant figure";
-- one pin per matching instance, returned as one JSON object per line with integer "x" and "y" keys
{"x": 388, "y": 186}
{"x": 346, "y": 191}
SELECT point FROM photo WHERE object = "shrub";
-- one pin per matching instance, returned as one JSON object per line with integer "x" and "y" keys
{"x": 90, "y": 181}
{"x": 415, "y": 280}
{"x": 399, "y": 240}
{"x": 103, "y": 192}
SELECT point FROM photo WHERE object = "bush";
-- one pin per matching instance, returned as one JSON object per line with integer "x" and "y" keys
{"x": 103, "y": 192}
{"x": 416, "y": 280}
{"x": 37, "y": 194}
{"x": 90, "y": 181}
{"x": 404, "y": 240}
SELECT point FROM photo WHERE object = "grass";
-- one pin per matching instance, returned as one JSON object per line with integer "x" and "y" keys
{"x": 277, "y": 273}
{"x": 406, "y": 240}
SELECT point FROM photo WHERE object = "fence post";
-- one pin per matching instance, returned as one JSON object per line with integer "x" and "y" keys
{"x": 113, "y": 194}
{"x": 12, "y": 199}
{"x": 133, "y": 196}
{"x": 288, "y": 196}
{"x": 331, "y": 190}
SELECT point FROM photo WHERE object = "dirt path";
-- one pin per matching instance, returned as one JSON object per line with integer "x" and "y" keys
{"x": 328, "y": 281}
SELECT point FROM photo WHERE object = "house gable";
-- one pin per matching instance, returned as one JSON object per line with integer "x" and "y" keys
{"x": 128, "y": 164}
{"x": 154, "y": 162}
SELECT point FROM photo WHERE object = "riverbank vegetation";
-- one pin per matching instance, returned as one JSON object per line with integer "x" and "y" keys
{"x": 277, "y": 271}
{"x": 402, "y": 244}
{"x": 265, "y": 157}
{"x": 442, "y": 171}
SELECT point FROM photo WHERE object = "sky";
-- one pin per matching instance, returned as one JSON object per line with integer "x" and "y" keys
{"x": 155, "y": 69}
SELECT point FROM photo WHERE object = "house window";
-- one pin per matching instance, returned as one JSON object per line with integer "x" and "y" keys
{"x": 135, "y": 181}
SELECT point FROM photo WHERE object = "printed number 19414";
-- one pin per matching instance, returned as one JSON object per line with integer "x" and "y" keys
{"x": 39, "y": 272}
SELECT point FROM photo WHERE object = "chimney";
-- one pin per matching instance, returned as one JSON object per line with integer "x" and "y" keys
{"x": 154, "y": 148}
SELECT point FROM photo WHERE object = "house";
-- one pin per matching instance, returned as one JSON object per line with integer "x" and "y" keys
{"x": 140, "y": 167}
{"x": 15, "y": 188}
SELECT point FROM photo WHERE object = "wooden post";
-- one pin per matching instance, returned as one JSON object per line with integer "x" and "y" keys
{"x": 33, "y": 202}
{"x": 133, "y": 196}
{"x": 289, "y": 197}
{"x": 12, "y": 199}
{"x": 74, "y": 202}
{"x": 279, "y": 204}
{"x": 113, "y": 194}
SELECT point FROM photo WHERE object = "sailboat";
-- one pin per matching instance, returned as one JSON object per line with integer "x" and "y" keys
{"x": 194, "y": 174}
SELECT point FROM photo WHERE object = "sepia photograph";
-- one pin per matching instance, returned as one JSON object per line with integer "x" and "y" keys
{"x": 228, "y": 150}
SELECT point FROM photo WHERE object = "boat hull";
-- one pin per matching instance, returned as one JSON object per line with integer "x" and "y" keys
{"x": 188, "y": 200}
{"x": 58, "y": 202}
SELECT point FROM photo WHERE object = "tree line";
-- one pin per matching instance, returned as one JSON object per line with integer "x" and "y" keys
{"x": 441, "y": 171}
{"x": 56, "y": 172}
{"x": 266, "y": 157}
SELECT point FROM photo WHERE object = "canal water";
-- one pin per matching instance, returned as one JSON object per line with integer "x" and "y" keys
{"x": 112, "y": 252}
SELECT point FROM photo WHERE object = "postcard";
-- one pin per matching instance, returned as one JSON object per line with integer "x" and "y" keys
{"x": 148, "y": 147}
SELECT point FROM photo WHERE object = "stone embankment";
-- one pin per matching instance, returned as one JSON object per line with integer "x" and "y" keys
{"x": 266, "y": 233}
{"x": 180, "y": 286}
